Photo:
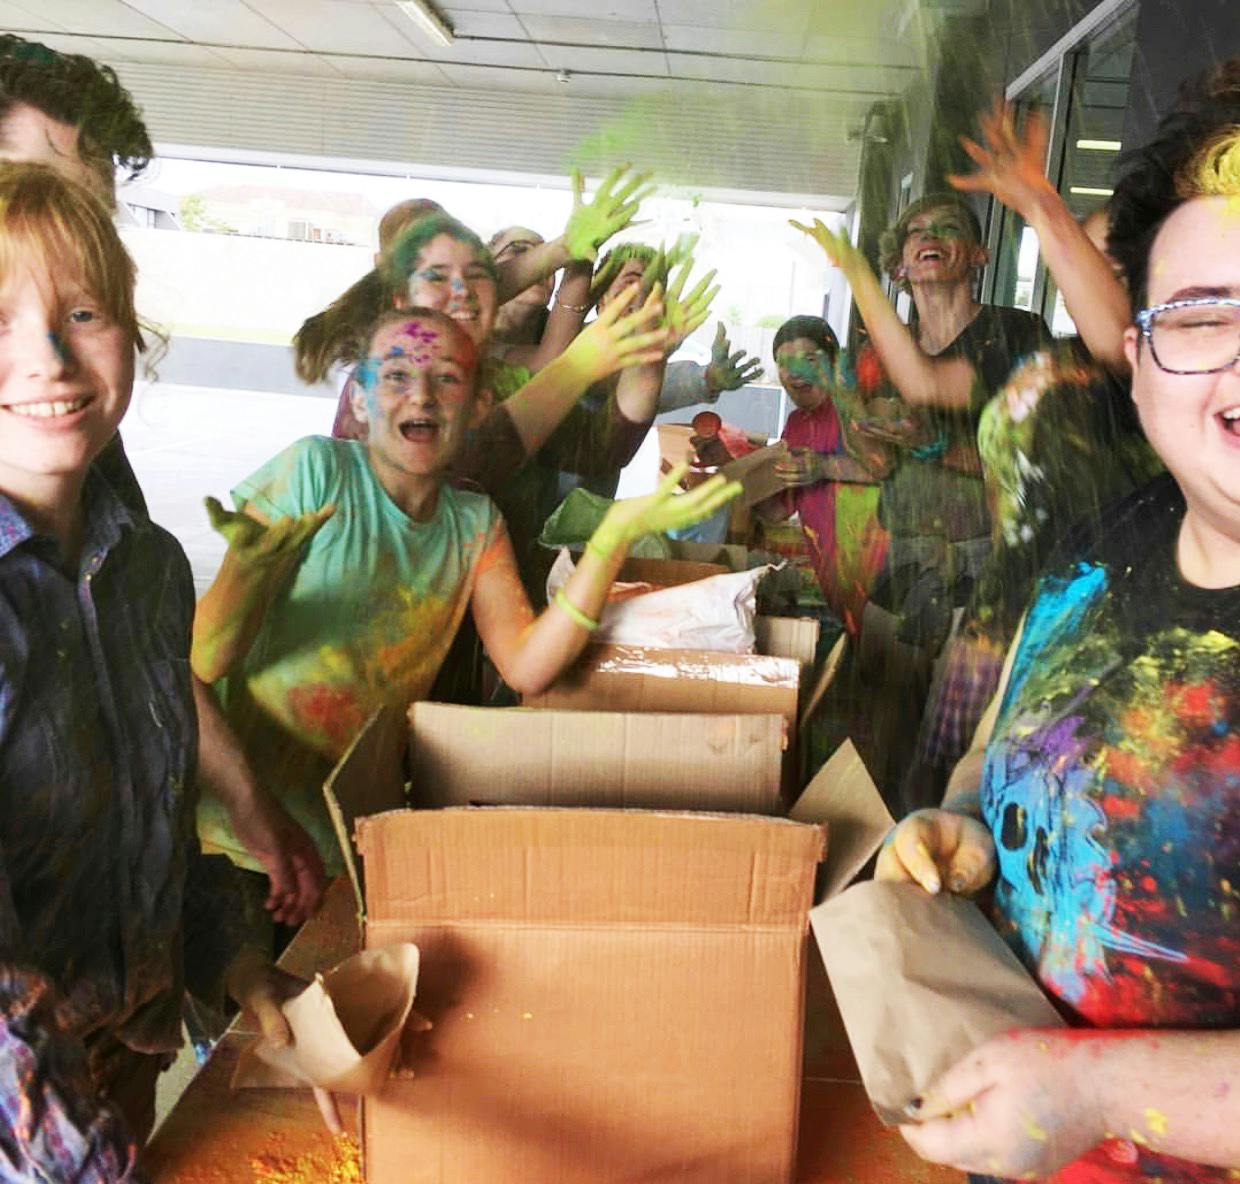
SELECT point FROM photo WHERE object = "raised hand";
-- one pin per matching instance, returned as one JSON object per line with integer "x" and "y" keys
{"x": 931, "y": 847}
{"x": 729, "y": 372}
{"x": 260, "y": 544}
{"x": 613, "y": 207}
{"x": 1012, "y": 164}
{"x": 836, "y": 244}
{"x": 620, "y": 337}
{"x": 683, "y": 314}
{"x": 663, "y": 510}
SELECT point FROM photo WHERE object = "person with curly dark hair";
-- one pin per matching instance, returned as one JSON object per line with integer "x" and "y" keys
{"x": 70, "y": 112}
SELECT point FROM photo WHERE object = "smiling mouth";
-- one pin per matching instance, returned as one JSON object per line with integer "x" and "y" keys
{"x": 930, "y": 254}
{"x": 463, "y": 313}
{"x": 419, "y": 431}
{"x": 1230, "y": 419}
{"x": 50, "y": 409}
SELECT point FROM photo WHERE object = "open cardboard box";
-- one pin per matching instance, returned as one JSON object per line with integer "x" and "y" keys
{"x": 617, "y": 995}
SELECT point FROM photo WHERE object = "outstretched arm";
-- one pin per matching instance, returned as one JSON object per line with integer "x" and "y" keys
{"x": 531, "y": 653}
{"x": 1011, "y": 167}
{"x": 613, "y": 207}
{"x": 261, "y": 556}
{"x": 921, "y": 379}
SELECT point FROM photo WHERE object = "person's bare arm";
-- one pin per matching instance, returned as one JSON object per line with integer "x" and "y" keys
{"x": 564, "y": 321}
{"x": 1012, "y": 167}
{"x": 613, "y": 207}
{"x": 266, "y": 830}
{"x": 260, "y": 558}
{"x": 1026, "y": 1103}
{"x": 922, "y": 380}
{"x": 530, "y": 653}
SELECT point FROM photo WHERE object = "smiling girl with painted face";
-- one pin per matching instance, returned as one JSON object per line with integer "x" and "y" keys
{"x": 352, "y": 564}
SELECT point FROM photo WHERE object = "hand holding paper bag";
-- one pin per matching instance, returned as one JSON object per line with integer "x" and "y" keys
{"x": 346, "y": 1028}
{"x": 933, "y": 846}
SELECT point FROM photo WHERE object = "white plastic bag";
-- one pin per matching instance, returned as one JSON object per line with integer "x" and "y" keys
{"x": 712, "y": 614}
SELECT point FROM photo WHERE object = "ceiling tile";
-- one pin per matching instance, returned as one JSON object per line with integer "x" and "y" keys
{"x": 497, "y": 78}
{"x": 269, "y": 61}
{"x": 409, "y": 69}
{"x": 229, "y": 22}
{"x": 628, "y": 34}
{"x": 456, "y": 6}
{"x": 906, "y": 52}
{"x": 631, "y": 10}
{"x": 337, "y": 28}
{"x": 99, "y": 50}
{"x": 14, "y": 18}
{"x": 99, "y": 16}
{"x": 748, "y": 42}
{"x": 609, "y": 61}
{"x": 163, "y": 53}
{"x": 781, "y": 16}
{"x": 489, "y": 53}
{"x": 485, "y": 24}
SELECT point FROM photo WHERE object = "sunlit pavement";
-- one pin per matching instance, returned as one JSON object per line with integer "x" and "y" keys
{"x": 186, "y": 442}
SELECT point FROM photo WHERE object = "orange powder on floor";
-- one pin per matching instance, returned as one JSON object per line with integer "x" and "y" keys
{"x": 337, "y": 1162}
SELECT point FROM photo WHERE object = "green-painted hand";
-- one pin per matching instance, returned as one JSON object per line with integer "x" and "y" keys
{"x": 259, "y": 544}
{"x": 663, "y": 510}
{"x": 614, "y": 206}
{"x": 729, "y": 372}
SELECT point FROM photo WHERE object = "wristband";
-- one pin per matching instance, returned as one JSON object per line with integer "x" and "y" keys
{"x": 581, "y": 308}
{"x": 573, "y": 613}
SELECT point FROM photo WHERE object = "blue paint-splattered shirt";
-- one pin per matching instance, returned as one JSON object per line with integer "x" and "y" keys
{"x": 106, "y": 904}
{"x": 1112, "y": 789}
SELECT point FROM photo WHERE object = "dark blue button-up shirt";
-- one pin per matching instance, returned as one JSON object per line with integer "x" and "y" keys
{"x": 102, "y": 885}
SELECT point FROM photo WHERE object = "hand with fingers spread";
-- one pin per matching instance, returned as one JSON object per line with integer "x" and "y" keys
{"x": 621, "y": 336}
{"x": 937, "y": 847}
{"x": 1020, "y": 1106}
{"x": 614, "y": 206}
{"x": 836, "y": 244}
{"x": 258, "y": 544}
{"x": 663, "y": 510}
{"x": 729, "y": 372}
{"x": 1012, "y": 164}
{"x": 682, "y": 314}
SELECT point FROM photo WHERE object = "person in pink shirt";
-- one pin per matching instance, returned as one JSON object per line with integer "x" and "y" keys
{"x": 834, "y": 494}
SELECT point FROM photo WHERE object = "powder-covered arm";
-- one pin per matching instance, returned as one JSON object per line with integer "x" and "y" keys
{"x": 1026, "y": 1103}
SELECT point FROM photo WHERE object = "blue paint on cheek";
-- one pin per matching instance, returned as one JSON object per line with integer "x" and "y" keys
{"x": 62, "y": 350}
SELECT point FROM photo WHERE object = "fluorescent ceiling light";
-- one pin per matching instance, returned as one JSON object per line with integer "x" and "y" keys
{"x": 1099, "y": 145}
{"x": 428, "y": 20}
{"x": 1090, "y": 191}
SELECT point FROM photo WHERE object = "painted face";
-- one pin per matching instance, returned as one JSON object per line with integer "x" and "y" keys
{"x": 416, "y": 394}
{"x": 629, "y": 275}
{"x": 939, "y": 247}
{"x": 66, "y": 376}
{"x": 803, "y": 368}
{"x": 26, "y": 133}
{"x": 514, "y": 241}
{"x": 450, "y": 278}
{"x": 1193, "y": 420}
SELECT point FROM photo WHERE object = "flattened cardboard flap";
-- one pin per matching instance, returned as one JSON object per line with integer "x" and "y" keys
{"x": 524, "y": 757}
{"x": 369, "y": 779}
{"x": 843, "y": 797}
{"x": 756, "y": 473}
{"x": 787, "y": 637}
{"x": 595, "y": 867}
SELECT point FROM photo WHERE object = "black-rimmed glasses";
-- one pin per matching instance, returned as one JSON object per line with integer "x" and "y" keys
{"x": 1198, "y": 336}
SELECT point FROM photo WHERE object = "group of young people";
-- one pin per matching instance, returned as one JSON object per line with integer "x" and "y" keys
{"x": 939, "y": 470}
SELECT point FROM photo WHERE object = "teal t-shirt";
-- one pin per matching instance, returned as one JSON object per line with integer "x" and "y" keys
{"x": 364, "y": 622}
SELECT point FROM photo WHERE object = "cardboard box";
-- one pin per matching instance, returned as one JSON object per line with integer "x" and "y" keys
{"x": 787, "y": 637}
{"x": 729, "y": 555}
{"x": 756, "y": 473}
{"x": 639, "y": 679}
{"x": 668, "y": 573}
{"x": 615, "y": 995}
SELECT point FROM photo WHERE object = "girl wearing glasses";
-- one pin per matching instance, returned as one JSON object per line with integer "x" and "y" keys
{"x": 1102, "y": 792}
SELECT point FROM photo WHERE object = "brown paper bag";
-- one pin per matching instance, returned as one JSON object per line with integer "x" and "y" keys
{"x": 346, "y": 1027}
{"x": 920, "y": 981}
